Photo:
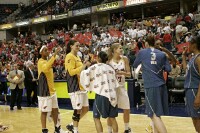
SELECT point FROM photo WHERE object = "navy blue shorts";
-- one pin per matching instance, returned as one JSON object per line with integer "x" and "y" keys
{"x": 156, "y": 100}
{"x": 190, "y": 95}
{"x": 103, "y": 108}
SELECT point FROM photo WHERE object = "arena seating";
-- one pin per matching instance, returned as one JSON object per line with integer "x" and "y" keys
{"x": 86, "y": 3}
{"x": 6, "y": 9}
{"x": 25, "y": 12}
{"x": 176, "y": 89}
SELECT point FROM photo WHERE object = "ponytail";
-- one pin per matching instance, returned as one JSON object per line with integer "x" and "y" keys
{"x": 70, "y": 43}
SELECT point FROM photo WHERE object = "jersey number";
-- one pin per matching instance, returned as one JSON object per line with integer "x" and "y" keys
{"x": 153, "y": 58}
{"x": 119, "y": 79}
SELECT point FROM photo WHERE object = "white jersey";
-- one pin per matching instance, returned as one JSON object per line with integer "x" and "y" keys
{"x": 120, "y": 66}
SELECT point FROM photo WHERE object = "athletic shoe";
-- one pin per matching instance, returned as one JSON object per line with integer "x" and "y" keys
{"x": 19, "y": 108}
{"x": 45, "y": 130}
{"x": 60, "y": 130}
{"x": 128, "y": 131}
{"x": 70, "y": 128}
{"x": 3, "y": 128}
{"x": 149, "y": 129}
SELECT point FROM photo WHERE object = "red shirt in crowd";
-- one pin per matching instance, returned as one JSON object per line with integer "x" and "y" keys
{"x": 178, "y": 20}
{"x": 167, "y": 38}
{"x": 187, "y": 18}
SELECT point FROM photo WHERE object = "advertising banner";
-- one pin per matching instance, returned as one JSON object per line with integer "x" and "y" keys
{"x": 108, "y": 6}
{"x": 22, "y": 23}
{"x": 6, "y": 26}
{"x": 133, "y": 2}
{"x": 40, "y": 19}
{"x": 81, "y": 11}
{"x": 60, "y": 16}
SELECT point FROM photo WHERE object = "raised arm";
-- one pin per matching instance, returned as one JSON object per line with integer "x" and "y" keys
{"x": 170, "y": 55}
{"x": 184, "y": 63}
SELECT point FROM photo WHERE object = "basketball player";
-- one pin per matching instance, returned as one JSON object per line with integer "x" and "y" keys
{"x": 192, "y": 81}
{"x": 154, "y": 62}
{"x": 101, "y": 79}
{"x": 121, "y": 65}
{"x": 47, "y": 101}
{"x": 78, "y": 95}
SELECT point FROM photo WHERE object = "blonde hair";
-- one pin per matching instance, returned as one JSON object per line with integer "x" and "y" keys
{"x": 111, "y": 50}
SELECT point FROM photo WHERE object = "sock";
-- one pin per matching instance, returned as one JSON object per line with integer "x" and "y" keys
{"x": 57, "y": 127}
{"x": 75, "y": 129}
{"x": 126, "y": 125}
{"x": 109, "y": 129}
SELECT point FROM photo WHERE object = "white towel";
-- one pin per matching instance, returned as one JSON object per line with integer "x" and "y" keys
{"x": 101, "y": 79}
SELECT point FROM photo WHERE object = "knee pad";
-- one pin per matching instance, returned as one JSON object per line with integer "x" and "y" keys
{"x": 76, "y": 117}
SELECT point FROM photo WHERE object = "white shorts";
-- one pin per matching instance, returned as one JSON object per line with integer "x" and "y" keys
{"x": 46, "y": 104}
{"x": 79, "y": 100}
{"x": 122, "y": 98}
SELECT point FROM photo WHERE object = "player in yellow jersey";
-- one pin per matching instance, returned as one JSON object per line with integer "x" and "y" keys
{"x": 78, "y": 96}
{"x": 47, "y": 99}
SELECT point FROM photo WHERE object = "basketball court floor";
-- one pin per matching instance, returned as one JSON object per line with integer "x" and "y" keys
{"x": 27, "y": 120}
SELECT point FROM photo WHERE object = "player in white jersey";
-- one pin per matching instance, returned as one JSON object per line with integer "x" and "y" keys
{"x": 121, "y": 65}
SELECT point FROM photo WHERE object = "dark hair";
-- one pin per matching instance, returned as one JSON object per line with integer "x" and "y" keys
{"x": 103, "y": 56}
{"x": 39, "y": 55}
{"x": 70, "y": 43}
{"x": 196, "y": 40}
{"x": 150, "y": 39}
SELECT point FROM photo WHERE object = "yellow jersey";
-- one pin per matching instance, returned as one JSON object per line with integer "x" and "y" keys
{"x": 46, "y": 67}
{"x": 74, "y": 65}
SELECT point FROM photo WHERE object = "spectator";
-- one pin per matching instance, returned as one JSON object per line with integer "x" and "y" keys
{"x": 176, "y": 71}
{"x": 167, "y": 39}
{"x": 31, "y": 84}
{"x": 3, "y": 82}
{"x": 16, "y": 79}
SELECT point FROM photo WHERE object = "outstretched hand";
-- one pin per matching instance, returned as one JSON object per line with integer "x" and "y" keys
{"x": 58, "y": 50}
{"x": 184, "y": 50}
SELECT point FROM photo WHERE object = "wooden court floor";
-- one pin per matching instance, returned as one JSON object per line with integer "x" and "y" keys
{"x": 28, "y": 121}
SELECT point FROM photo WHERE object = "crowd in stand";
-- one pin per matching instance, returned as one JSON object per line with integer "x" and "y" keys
{"x": 57, "y": 8}
{"x": 131, "y": 34}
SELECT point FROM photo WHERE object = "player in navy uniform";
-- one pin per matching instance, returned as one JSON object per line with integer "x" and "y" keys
{"x": 192, "y": 81}
{"x": 154, "y": 62}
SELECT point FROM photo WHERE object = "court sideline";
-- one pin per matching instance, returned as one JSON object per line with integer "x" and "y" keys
{"x": 28, "y": 121}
